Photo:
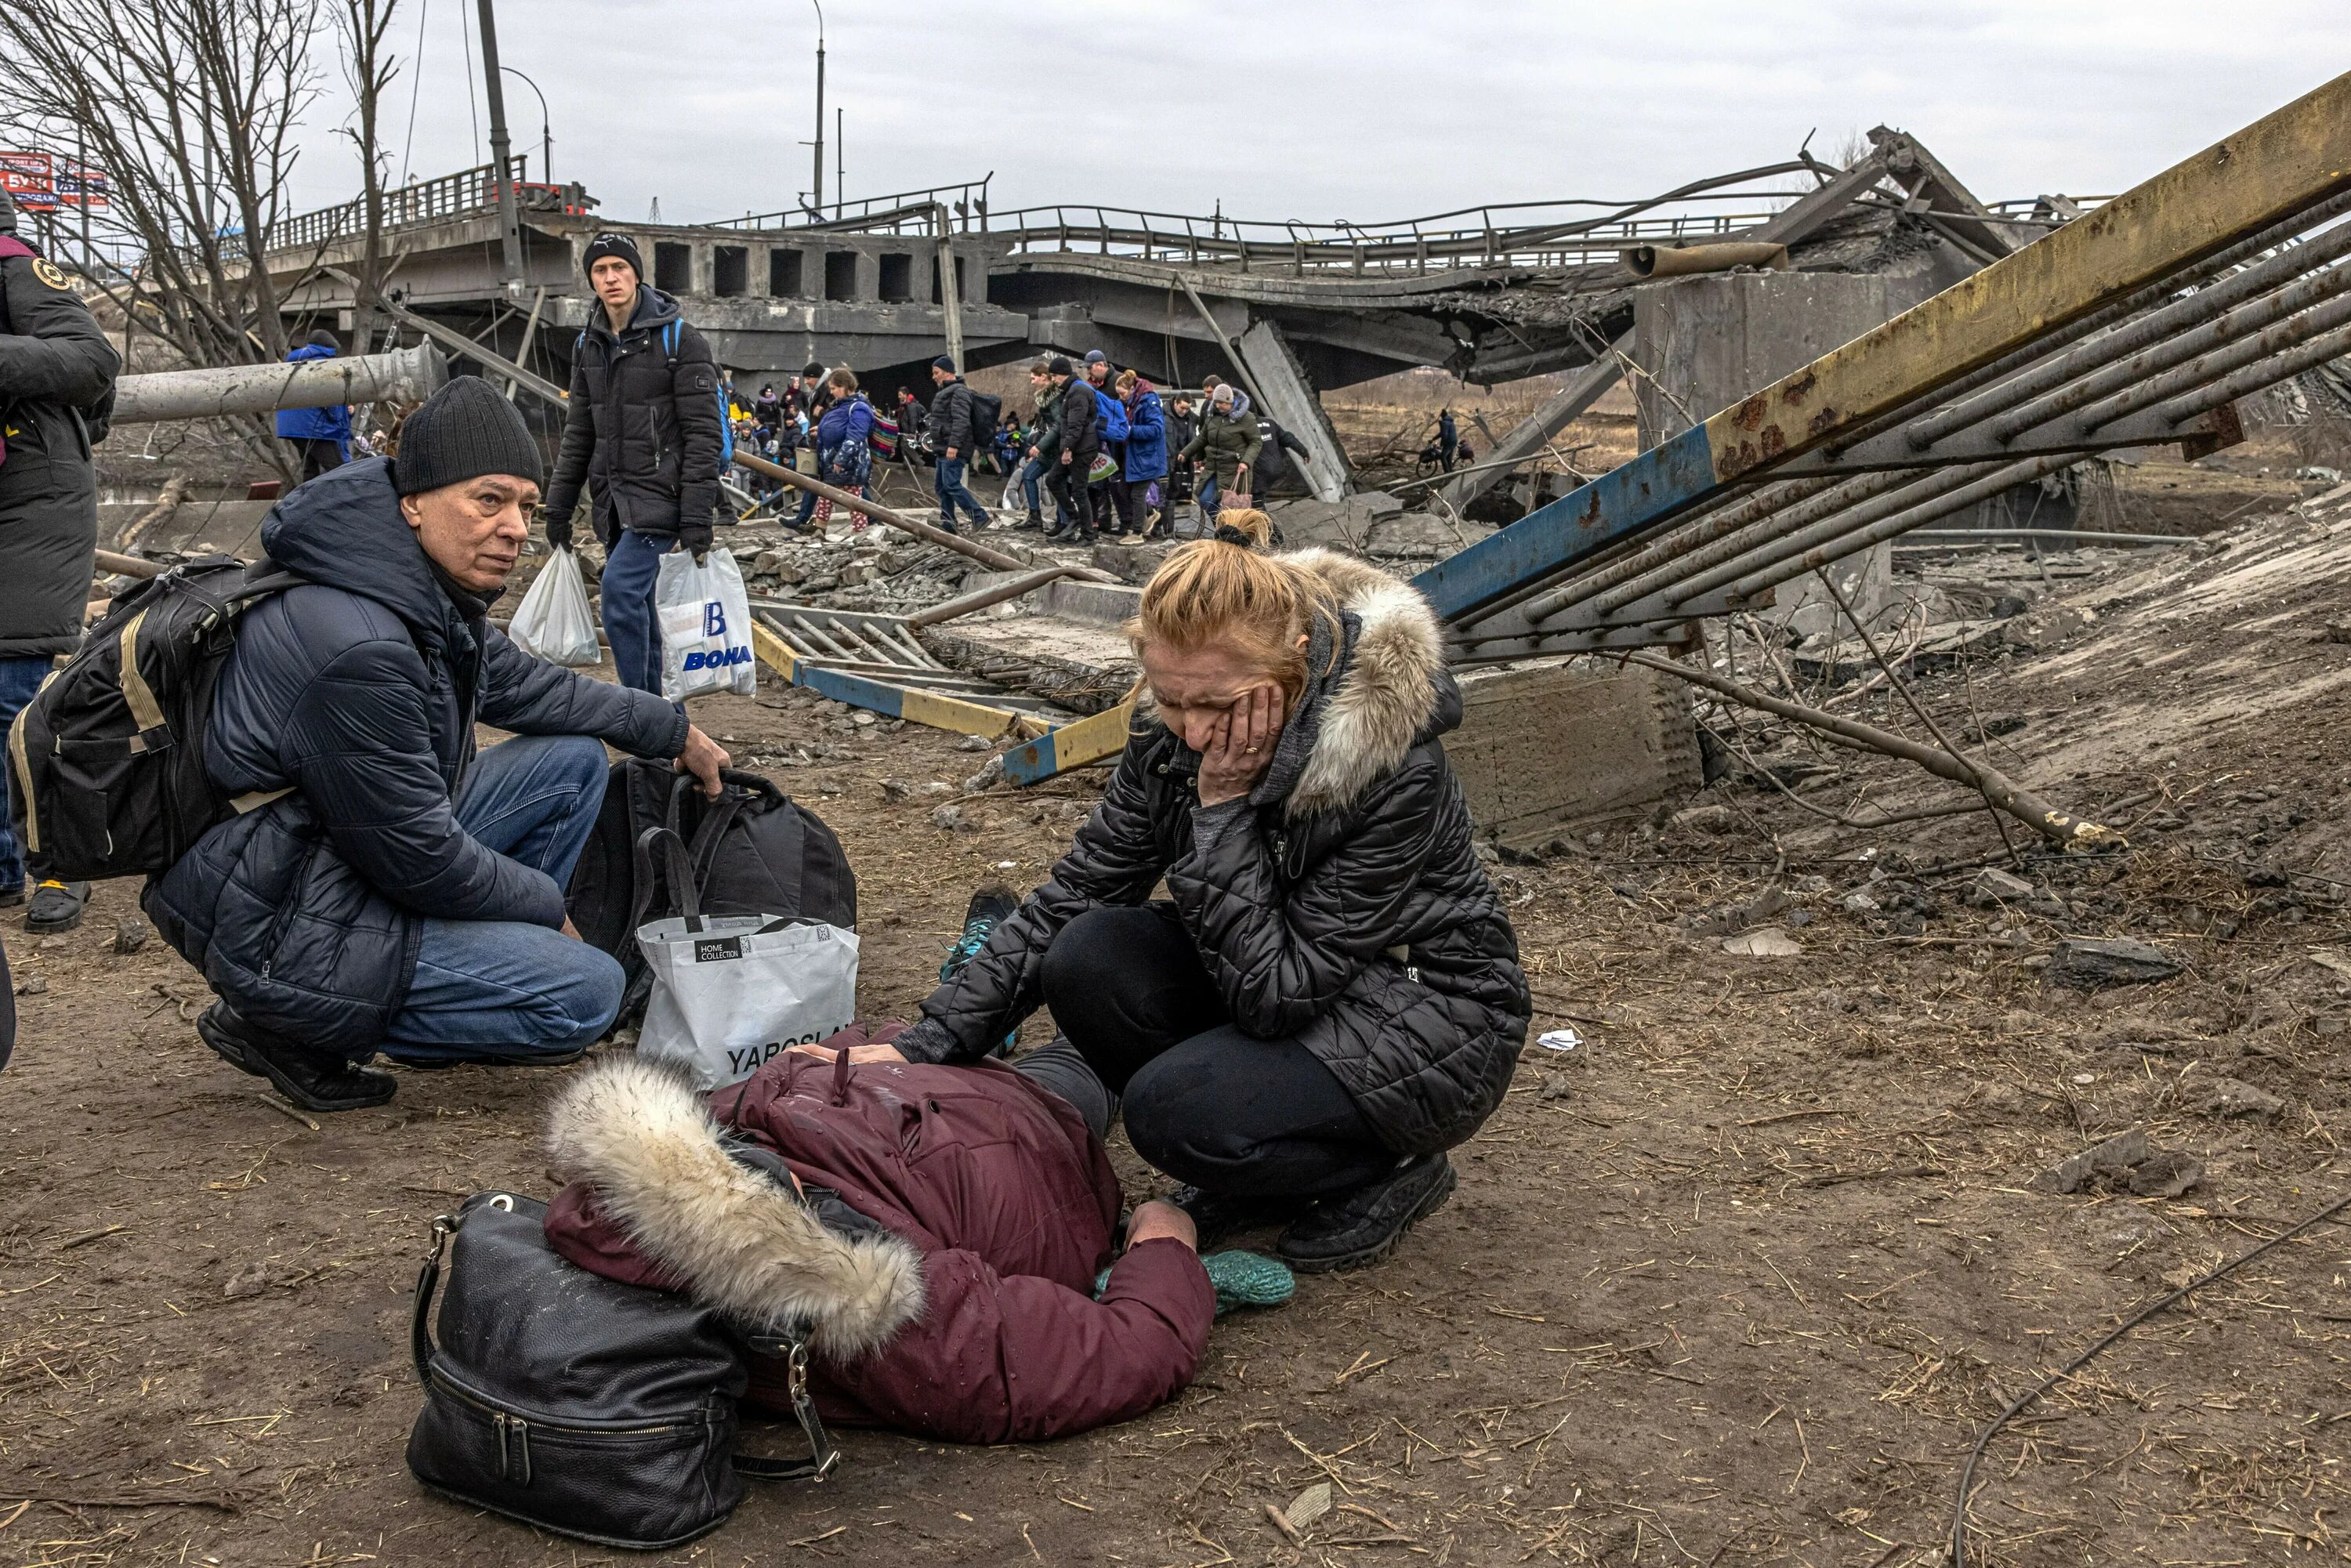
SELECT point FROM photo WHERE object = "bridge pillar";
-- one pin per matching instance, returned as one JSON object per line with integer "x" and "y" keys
{"x": 1703, "y": 343}
{"x": 1291, "y": 400}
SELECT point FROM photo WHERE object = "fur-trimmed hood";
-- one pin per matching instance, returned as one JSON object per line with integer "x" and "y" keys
{"x": 636, "y": 1133}
{"x": 1392, "y": 693}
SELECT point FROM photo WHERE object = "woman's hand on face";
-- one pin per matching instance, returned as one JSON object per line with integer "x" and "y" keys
{"x": 1242, "y": 748}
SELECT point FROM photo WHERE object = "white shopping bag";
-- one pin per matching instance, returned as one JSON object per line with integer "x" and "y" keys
{"x": 732, "y": 990}
{"x": 705, "y": 626}
{"x": 554, "y": 621}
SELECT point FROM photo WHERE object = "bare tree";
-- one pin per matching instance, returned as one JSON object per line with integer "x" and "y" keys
{"x": 190, "y": 106}
{"x": 369, "y": 66}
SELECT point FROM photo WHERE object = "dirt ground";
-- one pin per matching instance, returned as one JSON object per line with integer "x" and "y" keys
{"x": 1735, "y": 1282}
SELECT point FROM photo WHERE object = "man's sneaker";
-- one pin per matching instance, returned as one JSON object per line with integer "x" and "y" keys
{"x": 1033, "y": 520}
{"x": 314, "y": 1081}
{"x": 1363, "y": 1226}
{"x": 947, "y": 524}
{"x": 1219, "y": 1215}
{"x": 56, "y": 906}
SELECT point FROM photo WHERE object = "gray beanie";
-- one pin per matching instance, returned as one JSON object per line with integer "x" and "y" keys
{"x": 462, "y": 432}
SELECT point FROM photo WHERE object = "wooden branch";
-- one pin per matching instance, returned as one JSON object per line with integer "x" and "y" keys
{"x": 2060, "y": 828}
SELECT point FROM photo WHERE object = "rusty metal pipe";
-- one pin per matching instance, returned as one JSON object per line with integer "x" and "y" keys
{"x": 1691, "y": 261}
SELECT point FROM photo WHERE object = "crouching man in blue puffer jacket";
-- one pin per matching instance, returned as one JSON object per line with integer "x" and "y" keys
{"x": 390, "y": 890}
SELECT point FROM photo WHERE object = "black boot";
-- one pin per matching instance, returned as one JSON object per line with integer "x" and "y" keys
{"x": 315, "y": 1081}
{"x": 1363, "y": 1226}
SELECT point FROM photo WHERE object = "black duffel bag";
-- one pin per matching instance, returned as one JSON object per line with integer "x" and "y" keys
{"x": 576, "y": 1404}
{"x": 752, "y": 851}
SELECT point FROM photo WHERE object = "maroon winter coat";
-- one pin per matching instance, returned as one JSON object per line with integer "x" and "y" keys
{"x": 968, "y": 1316}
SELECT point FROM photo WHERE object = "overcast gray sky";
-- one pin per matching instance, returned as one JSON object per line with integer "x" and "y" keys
{"x": 1367, "y": 110}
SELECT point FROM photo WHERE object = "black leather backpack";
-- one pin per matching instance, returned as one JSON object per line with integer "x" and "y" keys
{"x": 753, "y": 850}
{"x": 593, "y": 1409}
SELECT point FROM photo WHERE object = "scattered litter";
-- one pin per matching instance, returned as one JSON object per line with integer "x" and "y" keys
{"x": 1559, "y": 1039}
{"x": 2086, "y": 1078}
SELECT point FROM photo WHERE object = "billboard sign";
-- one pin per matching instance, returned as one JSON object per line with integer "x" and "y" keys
{"x": 39, "y": 181}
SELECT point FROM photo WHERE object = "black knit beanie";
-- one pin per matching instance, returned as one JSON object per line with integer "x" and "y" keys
{"x": 606, "y": 245}
{"x": 462, "y": 432}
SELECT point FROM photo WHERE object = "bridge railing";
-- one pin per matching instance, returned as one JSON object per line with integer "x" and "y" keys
{"x": 462, "y": 194}
{"x": 1548, "y": 232}
{"x": 897, "y": 213}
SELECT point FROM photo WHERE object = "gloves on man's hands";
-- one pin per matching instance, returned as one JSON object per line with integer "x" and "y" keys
{"x": 558, "y": 533}
{"x": 694, "y": 537}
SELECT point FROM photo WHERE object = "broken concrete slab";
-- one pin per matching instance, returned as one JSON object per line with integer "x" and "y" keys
{"x": 1765, "y": 942}
{"x": 2234, "y": 1098}
{"x": 2116, "y": 1155}
{"x": 1546, "y": 754}
{"x": 2092, "y": 963}
{"x": 2167, "y": 1174}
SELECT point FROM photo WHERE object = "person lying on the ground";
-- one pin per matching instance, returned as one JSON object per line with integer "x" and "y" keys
{"x": 387, "y": 890}
{"x": 939, "y": 1232}
{"x": 1331, "y": 997}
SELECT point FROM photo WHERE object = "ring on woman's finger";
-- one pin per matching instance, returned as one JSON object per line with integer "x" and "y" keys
{"x": 1250, "y": 749}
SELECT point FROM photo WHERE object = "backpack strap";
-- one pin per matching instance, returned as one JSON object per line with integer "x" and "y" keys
{"x": 676, "y": 870}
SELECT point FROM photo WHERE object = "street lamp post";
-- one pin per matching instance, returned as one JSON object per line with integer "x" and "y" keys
{"x": 545, "y": 135}
{"x": 819, "y": 194}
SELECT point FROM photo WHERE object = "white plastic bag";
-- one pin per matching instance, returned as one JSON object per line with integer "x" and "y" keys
{"x": 731, "y": 990}
{"x": 554, "y": 621}
{"x": 705, "y": 626}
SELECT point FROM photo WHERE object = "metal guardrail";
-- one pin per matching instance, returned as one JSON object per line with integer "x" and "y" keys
{"x": 462, "y": 194}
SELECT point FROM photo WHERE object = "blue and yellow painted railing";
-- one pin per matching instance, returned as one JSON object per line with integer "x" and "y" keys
{"x": 2264, "y": 174}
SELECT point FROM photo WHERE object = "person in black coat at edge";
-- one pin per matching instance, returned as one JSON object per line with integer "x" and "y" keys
{"x": 57, "y": 391}
{"x": 643, "y": 428}
{"x": 1331, "y": 996}
{"x": 391, "y": 891}
{"x": 1069, "y": 446}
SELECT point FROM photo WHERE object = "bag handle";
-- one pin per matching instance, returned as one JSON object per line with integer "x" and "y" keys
{"x": 677, "y": 871}
{"x": 823, "y": 1458}
{"x": 428, "y": 1279}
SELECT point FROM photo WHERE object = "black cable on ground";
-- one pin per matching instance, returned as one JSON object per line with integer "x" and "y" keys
{"x": 1968, "y": 1472}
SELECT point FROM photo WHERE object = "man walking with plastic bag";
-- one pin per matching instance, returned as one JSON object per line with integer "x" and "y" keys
{"x": 643, "y": 432}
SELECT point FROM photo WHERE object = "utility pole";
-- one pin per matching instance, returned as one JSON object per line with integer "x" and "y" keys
{"x": 818, "y": 196}
{"x": 501, "y": 161}
{"x": 840, "y": 178}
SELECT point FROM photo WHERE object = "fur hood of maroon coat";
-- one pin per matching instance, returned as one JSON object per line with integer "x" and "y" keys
{"x": 965, "y": 1312}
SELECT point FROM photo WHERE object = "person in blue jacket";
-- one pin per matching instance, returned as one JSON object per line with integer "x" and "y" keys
{"x": 844, "y": 452}
{"x": 1146, "y": 457}
{"x": 322, "y": 436}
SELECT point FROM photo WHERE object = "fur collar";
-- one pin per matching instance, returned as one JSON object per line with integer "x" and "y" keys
{"x": 636, "y": 1133}
{"x": 1387, "y": 694}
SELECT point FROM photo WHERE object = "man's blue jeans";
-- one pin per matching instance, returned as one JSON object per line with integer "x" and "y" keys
{"x": 629, "y": 573}
{"x": 500, "y": 990}
{"x": 19, "y": 679}
{"x": 946, "y": 479}
{"x": 1032, "y": 474}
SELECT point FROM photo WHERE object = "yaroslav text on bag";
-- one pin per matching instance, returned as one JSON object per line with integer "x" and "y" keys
{"x": 748, "y": 1059}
